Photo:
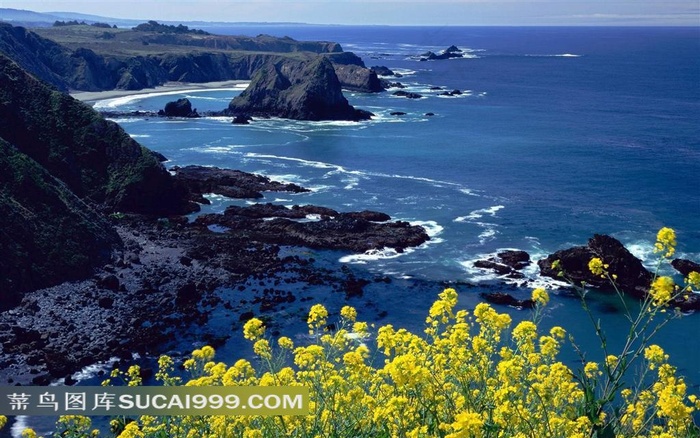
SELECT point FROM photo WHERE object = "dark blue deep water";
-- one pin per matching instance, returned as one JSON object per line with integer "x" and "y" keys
{"x": 560, "y": 133}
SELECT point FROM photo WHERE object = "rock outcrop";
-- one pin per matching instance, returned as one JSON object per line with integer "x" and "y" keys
{"x": 179, "y": 108}
{"x": 685, "y": 267}
{"x": 449, "y": 53}
{"x": 632, "y": 277}
{"x": 226, "y": 182}
{"x": 506, "y": 263}
{"x": 353, "y": 231}
{"x": 302, "y": 90}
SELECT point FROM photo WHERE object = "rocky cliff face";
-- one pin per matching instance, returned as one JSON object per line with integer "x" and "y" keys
{"x": 48, "y": 234}
{"x": 94, "y": 157}
{"x": 302, "y": 90}
{"x": 58, "y": 160}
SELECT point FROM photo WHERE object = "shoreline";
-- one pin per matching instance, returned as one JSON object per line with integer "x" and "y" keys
{"x": 90, "y": 97}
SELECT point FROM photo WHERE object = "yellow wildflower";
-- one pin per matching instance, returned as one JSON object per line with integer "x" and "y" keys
{"x": 597, "y": 267}
{"x": 467, "y": 425}
{"x": 655, "y": 355}
{"x": 662, "y": 290}
{"x": 665, "y": 242}
{"x": 3, "y": 421}
{"x": 540, "y": 296}
{"x": 348, "y": 313}
{"x": 591, "y": 370}
{"x": 286, "y": 343}
{"x": 253, "y": 329}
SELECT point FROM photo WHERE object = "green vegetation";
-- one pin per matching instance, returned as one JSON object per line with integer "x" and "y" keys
{"x": 154, "y": 26}
{"x": 468, "y": 375}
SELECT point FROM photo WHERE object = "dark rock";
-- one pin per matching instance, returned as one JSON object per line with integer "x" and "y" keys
{"x": 436, "y": 88}
{"x": 180, "y": 108}
{"x": 352, "y": 73}
{"x": 685, "y": 267}
{"x": 407, "y": 94}
{"x": 226, "y": 182}
{"x": 187, "y": 295}
{"x": 449, "y": 53}
{"x": 303, "y": 90}
{"x": 505, "y": 299}
{"x": 394, "y": 85}
{"x": 499, "y": 268}
{"x": 382, "y": 71}
{"x": 110, "y": 282}
{"x": 69, "y": 380}
{"x": 429, "y": 114}
{"x": 160, "y": 157}
{"x": 398, "y": 113}
{"x": 245, "y": 316}
{"x": 632, "y": 278}
{"x": 515, "y": 259}
{"x": 241, "y": 119}
{"x": 354, "y": 287}
{"x": 357, "y": 231}
{"x": 506, "y": 263}
{"x": 105, "y": 302}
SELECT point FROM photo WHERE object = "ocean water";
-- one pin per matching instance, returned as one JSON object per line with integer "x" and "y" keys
{"x": 560, "y": 133}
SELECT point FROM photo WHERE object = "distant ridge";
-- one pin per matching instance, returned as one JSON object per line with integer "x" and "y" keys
{"x": 45, "y": 19}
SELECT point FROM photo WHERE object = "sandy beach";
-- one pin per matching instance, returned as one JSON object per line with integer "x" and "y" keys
{"x": 94, "y": 96}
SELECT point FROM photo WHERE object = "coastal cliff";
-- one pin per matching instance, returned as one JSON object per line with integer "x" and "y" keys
{"x": 59, "y": 161}
{"x": 84, "y": 58}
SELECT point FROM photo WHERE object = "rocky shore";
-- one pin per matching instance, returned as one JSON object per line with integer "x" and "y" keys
{"x": 156, "y": 283}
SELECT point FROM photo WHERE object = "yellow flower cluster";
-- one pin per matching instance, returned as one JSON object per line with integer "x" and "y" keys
{"x": 665, "y": 242}
{"x": 597, "y": 267}
{"x": 469, "y": 376}
{"x": 3, "y": 421}
{"x": 662, "y": 290}
{"x": 253, "y": 329}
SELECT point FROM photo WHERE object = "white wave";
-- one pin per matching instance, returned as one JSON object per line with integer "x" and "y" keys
{"x": 215, "y": 149}
{"x": 281, "y": 200}
{"x": 338, "y": 169}
{"x": 478, "y": 214}
{"x": 559, "y": 55}
{"x": 123, "y": 120}
{"x": 488, "y": 234}
{"x": 139, "y": 135}
{"x": 432, "y": 228}
{"x": 125, "y": 100}
{"x": 372, "y": 255}
{"x": 404, "y": 71}
{"x": 93, "y": 370}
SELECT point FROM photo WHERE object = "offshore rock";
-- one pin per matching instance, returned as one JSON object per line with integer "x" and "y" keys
{"x": 301, "y": 90}
{"x": 632, "y": 277}
{"x": 179, "y": 108}
{"x": 505, "y": 299}
{"x": 685, "y": 267}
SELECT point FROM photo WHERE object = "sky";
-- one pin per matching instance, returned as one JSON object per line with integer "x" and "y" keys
{"x": 392, "y": 12}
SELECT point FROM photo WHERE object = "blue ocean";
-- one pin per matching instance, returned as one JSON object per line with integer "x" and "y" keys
{"x": 559, "y": 133}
